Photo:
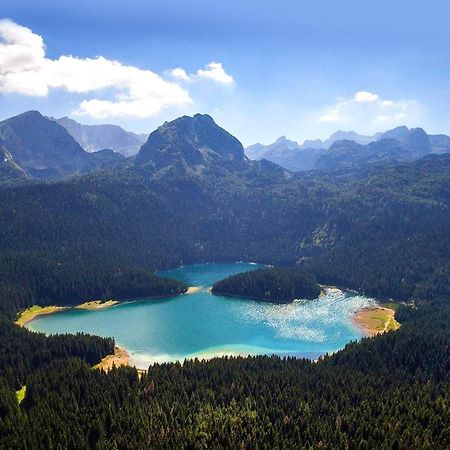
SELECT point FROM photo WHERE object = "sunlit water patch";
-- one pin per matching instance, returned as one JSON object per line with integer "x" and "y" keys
{"x": 204, "y": 325}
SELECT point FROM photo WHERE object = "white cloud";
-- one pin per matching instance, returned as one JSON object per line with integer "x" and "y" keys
{"x": 24, "y": 69}
{"x": 213, "y": 71}
{"x": 364, "y": 96}
{"x": 368, "y": 112}
{"x": 180, "y": 74}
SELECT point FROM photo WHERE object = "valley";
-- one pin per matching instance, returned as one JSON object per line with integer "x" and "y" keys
{"x": 191, "y": 197}
{"x": 224, "y": 225}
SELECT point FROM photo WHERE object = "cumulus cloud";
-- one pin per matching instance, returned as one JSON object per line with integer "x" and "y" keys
{"x": 213, "y": 71}
{"x": 25, "y": 69}
{"x": 368, "y": 111}
{"x": 364, "y": 97}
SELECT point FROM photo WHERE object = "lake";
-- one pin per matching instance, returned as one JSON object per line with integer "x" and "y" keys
{"x": 203, "y": 325}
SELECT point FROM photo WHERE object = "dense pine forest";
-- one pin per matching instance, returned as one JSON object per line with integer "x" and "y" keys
{"x": 276, "y": 285}
{"x": 383, "y": 230}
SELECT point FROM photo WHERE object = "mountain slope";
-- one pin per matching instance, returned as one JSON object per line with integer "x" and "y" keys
{"x": 191, "y": 141}
{"x": 43, "y": 149}
{"x": 10, "y": 171}
{"x": 41, "y": 146}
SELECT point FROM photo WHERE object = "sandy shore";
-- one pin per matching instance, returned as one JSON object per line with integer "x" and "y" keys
{"x": 120, "y": 357}
{"x": 97, "y": 304}
{"x": 193, "y": 289}
{"x": 34, "y": 311}
{"x": 375, "y": 320}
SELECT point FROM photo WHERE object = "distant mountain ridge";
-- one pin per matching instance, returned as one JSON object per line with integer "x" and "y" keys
{"x": 347, "y": 149}
{"x": 97, "y": 137}
{"x": 35, "y": 147}
{"x": 256, "y": 151}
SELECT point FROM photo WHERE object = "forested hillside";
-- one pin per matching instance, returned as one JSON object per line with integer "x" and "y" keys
{"x": 384, "y": 232}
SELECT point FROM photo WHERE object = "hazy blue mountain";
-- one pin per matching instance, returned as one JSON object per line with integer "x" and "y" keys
{"x": 440, "y": 143}
{"x": 313, "y": 143}
{"x": 415, "y": 139}
{"x": 96, "y": 137}
{"x": 256, "y": 151}
{"x": 399, "y": 133}
{"x": 347, "y": 149}
{"x": 288, "y": 154}
{"x": 191, "y": 141}
{"x": 260, "y": 151}
{"x": 299, "y": 158}
{"x": 106, "y": 157}
{"x": 351, "y": 155}
{"x": 349, "y": 136}
{"x": 342, "y": 154}
{"x": 417, "y": 143}
{"x": 418, "y": 139}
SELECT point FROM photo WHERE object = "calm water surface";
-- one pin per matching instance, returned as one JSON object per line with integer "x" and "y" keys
{"x": 202, "y": 324}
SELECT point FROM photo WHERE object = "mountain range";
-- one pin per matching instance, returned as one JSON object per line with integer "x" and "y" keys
{"x": 347, "y": 149}
{"x": 36, "y": 147}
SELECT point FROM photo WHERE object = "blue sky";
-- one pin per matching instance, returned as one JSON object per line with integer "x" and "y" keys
{"x": 294, "y": 68}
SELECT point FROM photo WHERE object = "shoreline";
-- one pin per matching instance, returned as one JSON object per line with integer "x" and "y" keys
{"x": 143, "y": 362}
{"x": 374, "y": 320}
{"x": 370, "y": 320}
{"x": 31, "y": 313}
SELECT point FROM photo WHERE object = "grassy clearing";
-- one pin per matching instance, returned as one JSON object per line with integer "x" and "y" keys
{"x": 376, "y": 320}
{"x": 20, "y": 394}
{"x": 31, "y": 313}
{"x": 392, "y": 324}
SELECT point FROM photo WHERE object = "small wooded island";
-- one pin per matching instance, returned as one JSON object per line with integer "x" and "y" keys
{"x": 276, "y": 285}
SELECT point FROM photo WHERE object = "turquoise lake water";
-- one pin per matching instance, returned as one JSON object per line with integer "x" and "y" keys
{"x": 202, "y": 324}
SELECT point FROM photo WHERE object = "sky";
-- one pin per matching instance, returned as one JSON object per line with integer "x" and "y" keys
{"x": 260, "y": 68}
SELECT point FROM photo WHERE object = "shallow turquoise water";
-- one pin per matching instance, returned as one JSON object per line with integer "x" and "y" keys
{"x": 202, "y": 324}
